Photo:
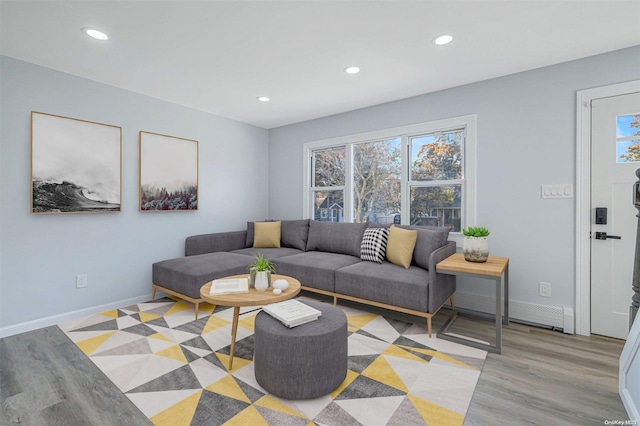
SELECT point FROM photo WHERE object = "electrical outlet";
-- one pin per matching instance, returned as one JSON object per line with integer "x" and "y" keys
{"x": 544, "y": 289}
{"x": 82, "y": 281}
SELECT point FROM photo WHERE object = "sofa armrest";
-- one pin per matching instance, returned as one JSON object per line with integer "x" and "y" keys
{"x": 441, "y": 286}
{"x": 210, "y": 243}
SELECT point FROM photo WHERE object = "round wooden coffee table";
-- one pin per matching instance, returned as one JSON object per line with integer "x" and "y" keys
{"x": 252, "y": 298}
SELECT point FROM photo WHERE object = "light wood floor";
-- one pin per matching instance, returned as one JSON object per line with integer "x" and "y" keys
{"x": 543, "y": 377}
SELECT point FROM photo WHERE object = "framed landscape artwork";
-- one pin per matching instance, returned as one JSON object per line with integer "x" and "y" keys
{"x": 76, "y": 165}
{"x": 168, "y": 173}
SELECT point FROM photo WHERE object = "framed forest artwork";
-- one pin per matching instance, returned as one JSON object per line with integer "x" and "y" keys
{"x": 168, "y": 173}
{"x": 76, "y": 165}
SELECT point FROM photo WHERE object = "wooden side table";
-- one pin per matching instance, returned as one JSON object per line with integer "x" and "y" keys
{"x": 495, "y": 268}
{"x": 252, "y": 298}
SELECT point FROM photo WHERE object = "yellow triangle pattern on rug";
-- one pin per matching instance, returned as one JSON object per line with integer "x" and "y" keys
{"x": 146, "y": 317}
{"x": 113, "y": 313}
{"x": 173, "y": 352}
{"x": 214, "y": 323}
{"x": 228, "y": 387}
{"x": 178, "y": 414}
{"x": 434, "y": 414}
{"x": 187, "y": 382}
{"x": 248, "y": 323}
{"x": 90, "y": 345}
{"x": 248, "y": 416}
{"x": 401, "y": 352}
{"x": 356, "y": 322}
{"x": 179, "y": 307}
{"x": 381, "y": 371}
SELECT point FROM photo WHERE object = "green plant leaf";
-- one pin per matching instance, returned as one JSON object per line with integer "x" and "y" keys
{"x": 479, "y": 231}
{"x": 262, "y": 264}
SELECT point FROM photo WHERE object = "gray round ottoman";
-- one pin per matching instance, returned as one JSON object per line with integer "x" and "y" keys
{"x": 303, "y": 362}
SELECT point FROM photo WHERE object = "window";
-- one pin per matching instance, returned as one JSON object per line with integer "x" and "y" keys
{"x": 376, "y": 181}
{"x": 627, "y": 138}
{"x": 422, "y": 174}
{"x": 328, "y": 183}
{"x": 436, "y": 179}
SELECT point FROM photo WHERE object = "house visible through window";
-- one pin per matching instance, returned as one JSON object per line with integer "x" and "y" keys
{"x": 419, "y": 175}
{"x": 436, "y": 179}
{"x": 328, "y": 184}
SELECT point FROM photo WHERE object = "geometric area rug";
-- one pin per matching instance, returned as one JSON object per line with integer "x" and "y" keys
{"x": 174, "y": 369}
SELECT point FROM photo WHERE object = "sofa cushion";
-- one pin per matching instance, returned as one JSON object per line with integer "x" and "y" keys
{"x": 250, "y": 232}
{"x": 385, "y": 283}
{"x": 314, "y": 268}
{"x": 428, "y": 241}
{"x": 374, "y": 244}
{"x": 268, "y": 253}
{"x": 295, "y": 233}
{"x": 336, "y": 237}
{"x": 400, "y": 246}
{"x": 266, "y": 234}
{"x": 186, "y": 275}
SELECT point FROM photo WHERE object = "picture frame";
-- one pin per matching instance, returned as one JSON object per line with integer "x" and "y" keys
{"x": 168, "y": 173}
{"x": 76, "y": 165}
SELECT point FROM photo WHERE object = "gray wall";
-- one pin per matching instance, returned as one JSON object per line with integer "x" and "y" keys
{"x": 42, "y": 254}
{"x": 526, "y": 138}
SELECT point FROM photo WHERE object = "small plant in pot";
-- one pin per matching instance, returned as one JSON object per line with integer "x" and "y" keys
{"x": 260, "y": 272}
{"x": 475, "y": 245}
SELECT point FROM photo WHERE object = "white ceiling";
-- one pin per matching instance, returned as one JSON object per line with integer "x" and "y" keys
{"x": 218, "y": 56}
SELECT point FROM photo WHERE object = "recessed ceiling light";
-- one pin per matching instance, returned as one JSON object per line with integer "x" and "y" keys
{"x": 98, "y": 35}
{"x": 263, "y": 98}
{"x": 352, "y": 70}
{"x": 443, "y": 39}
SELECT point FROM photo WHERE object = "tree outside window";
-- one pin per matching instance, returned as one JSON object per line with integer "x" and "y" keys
{"x": 328, "y": 181}
{"x": 376, "y": 181}
{"x": 436, "y": 179}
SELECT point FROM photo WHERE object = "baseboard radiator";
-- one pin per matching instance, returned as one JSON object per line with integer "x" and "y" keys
{"x": 555, "y": 317}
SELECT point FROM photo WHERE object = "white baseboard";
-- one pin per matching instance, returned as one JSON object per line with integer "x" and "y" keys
{"x": 550, "y": 316}
{"x": 68, "y": 316}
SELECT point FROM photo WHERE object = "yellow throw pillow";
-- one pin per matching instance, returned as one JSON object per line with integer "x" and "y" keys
{"x": 266, "y": 234}
{"x": 400, "y": 246}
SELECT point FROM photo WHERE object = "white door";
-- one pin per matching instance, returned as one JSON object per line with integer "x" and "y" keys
{"x": 615, "y": 126}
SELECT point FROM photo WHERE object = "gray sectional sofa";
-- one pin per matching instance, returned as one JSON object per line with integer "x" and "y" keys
{"x": 325, "y": 258}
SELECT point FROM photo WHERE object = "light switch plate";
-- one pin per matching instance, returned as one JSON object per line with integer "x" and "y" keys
{"x": 564, "y": 190}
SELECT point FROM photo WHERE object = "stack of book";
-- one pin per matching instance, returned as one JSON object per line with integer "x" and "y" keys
{"x": 292, "y": 312}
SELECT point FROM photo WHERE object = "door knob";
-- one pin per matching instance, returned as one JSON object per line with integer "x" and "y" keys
{"x": 604, "y": 236}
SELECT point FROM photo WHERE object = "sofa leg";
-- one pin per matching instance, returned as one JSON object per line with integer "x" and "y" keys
{"x": 153, "y": 293}
{"x": 451, "y": 303}
{"x": 429, "y": 326}
{"x": 197, "y": 311}
{"x": 335, "y": 300}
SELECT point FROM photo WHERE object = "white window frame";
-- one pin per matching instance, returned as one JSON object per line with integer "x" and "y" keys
{"x": 469, "y": 181}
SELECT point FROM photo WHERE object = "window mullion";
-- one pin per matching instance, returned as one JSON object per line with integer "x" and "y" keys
{"x": 418, "y": 183}
{"x": 404, "y": 182}
{"x": 349, "y": 185}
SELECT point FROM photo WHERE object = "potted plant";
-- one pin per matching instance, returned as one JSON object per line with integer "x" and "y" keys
{"x": 475, "y": 245}
{"x": 260, "y": 272}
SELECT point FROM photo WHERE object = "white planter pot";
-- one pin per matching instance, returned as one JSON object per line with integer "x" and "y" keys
{"x": 475, "y": 249}
{"x": 263, "y": 279}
